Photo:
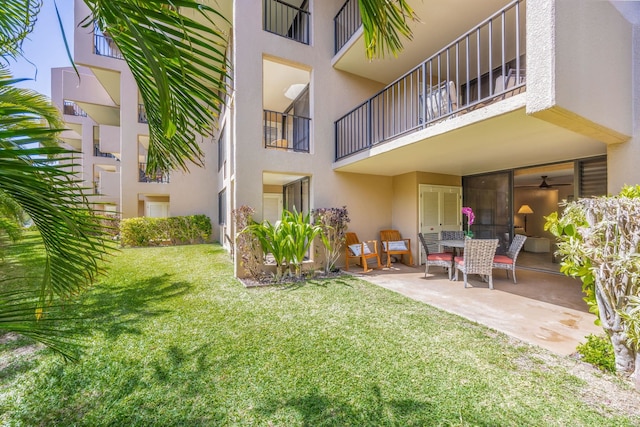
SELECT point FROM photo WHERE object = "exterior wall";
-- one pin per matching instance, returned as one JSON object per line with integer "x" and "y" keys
{"x": 332, "y": 93}
{"x": 112, "y": 84}
{"x": 625, "y": 156}
{"x": 577, "y": 74}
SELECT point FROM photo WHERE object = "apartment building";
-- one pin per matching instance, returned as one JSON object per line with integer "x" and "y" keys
{"x": 106, "y": 119}
{"x": 493, "y": 104}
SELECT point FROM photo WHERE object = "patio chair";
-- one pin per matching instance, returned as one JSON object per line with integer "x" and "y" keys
{"x": 439, "y": 259}
{"x": 452, "y": 235}
{"x": 477, "y": 259}
{"x": 394, "y": 244}
{"x": 508, "y": 261}
{"x": 361, "y": 250}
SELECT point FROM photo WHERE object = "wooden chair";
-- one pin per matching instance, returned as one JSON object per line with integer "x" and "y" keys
{"x": 361, "y": 250}
{"x": 508, "y": 261}
{"x": 394, "y": 244}
{"x": 477, "y": 259}
{"x": 439, "y": 259}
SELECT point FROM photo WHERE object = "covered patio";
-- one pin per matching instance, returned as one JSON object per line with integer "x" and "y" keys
{"x": 544, "y": 309}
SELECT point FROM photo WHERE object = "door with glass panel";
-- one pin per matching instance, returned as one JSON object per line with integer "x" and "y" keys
{"x": 439, "y": 211}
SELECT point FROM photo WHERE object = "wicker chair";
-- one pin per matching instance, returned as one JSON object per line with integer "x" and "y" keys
{"x": 394, "y": 244}
{"x": 439, "y": 259}
{"x": 477, "y": 259}
{"x": 361, "y": 250}
{"x": 508, "y": 261}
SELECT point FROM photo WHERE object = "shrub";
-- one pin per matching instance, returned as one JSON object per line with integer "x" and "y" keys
{"x": 247, "y": 245}
{"x": 145, "y": 231}
{"x": 598, "y": 351}
{"x": 333, "y": 222}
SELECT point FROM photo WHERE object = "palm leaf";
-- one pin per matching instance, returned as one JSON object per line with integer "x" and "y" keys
{"x": 385, "y": 22}
{"x": 37, "y": 175}
{"x": 176, "y": 53}
{"x": 17, "y": 18}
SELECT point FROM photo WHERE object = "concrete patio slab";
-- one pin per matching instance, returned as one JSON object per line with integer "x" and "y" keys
{"x": 542, "y": 309}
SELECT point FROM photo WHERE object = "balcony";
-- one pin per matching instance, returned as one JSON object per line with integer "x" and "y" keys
{"x": 98, "y": 153}
{"x": 104, "y": 45}
{"x": 70, "y": 108}
{"x": 286, "y": 131}
{"x": 158, "y": 177}
{"x": 142, "y": 114}
{"x": 286, "y": 20}
{"x": 346, "y": 23}
{"x": 483, "y": 66}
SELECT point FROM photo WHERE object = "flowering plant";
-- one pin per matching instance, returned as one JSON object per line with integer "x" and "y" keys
{"x": 470, "y": 218}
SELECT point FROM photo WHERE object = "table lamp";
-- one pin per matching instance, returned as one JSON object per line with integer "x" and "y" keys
{"x": 525, "y": 209}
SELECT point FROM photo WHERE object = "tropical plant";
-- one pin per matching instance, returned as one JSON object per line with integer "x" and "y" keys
{"x": 599, "y": 240}
{"x": 385, "y": 23}
{"x": 36, "y": 175}
{"x": 272, "y": 240}
{"x": 299, "y": 234}
{"x": 247, "y": 245}
{"x": 334, "y": 226}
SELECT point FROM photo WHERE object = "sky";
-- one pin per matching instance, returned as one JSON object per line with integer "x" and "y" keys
{"x": 45, "y": 48}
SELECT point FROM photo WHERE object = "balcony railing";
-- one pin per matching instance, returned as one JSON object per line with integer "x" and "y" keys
{"x": 70, "y": 108}
{"x": 286, "y": 20}
{"x": 142, "y": 114}
{"x": 482, "y": 66}
{"x": 105, "y": 46}
{"x": 160, "y": 177}
{"x": 286, "y": 131}
{"x": 98, "y": 153}
{"x": 346, "y": 23}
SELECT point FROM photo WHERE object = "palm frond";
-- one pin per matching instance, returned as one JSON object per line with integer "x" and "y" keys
{"x": 17, "y": 19}
{"x": 176, "y": 53}
{"x": 385, "y": 23}
{"x": 37, "y": 174}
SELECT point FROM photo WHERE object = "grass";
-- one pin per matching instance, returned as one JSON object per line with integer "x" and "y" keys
{"x": 172, "y": 339}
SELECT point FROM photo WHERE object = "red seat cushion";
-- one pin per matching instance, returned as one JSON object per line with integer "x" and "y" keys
{"x": 502, "y": 259}
{"x": 459, "y": 260}
{"x": 440, "y": 256}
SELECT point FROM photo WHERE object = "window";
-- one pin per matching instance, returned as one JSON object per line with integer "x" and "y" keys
{"x": 222, "y": 207}
{"x": 222, "y": 152}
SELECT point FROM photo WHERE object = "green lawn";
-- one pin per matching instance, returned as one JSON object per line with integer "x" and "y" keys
{"x": 173, "y": 339}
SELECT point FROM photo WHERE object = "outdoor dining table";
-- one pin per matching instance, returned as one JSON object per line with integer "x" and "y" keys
{"x": 455, "y": 244}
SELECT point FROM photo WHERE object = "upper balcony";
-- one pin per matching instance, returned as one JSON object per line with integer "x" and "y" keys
{"x": 287, "y": 19}
{"x": 484, "y": 65}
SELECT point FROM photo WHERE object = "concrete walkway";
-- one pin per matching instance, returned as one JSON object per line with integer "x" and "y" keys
{"x": 543, "y": 309}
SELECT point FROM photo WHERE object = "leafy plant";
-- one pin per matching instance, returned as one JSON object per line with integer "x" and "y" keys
{"x": 599, "y": 352}
{"x": 333, "y": 222}
{"x": 146, "y": 231}
{"x": 247, "y": 244}
{"x": 298, "y": 232}
{"x": 599, "y": 241}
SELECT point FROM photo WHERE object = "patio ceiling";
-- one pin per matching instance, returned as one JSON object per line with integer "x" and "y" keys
{"x": 472, "y": 144}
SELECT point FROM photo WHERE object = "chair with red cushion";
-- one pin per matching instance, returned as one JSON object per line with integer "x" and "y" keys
{"x": 439, "y": 259}
{"x": 477, "y": 259}
{"x": 508, "y": 261}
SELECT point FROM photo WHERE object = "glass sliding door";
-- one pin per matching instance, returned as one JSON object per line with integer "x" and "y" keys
{"x": 490, "y": 197}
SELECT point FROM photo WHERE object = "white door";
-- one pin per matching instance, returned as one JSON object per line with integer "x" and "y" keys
{"x": 439, "y": 210}
{"x": 157, "y": 209}
{"x": 272, "y": 207}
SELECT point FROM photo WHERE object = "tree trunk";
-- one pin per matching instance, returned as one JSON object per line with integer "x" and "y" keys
{"x": 635, "y": 377}
{"x": 625, "y": 356}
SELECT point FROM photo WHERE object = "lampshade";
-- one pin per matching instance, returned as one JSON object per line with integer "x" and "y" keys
{"x": 525, "y": 209}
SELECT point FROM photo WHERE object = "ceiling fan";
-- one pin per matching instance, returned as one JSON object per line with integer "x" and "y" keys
{"x": 545, "y": 185}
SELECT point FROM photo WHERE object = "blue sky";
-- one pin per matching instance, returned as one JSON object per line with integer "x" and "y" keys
{"x": 45, "y": 47}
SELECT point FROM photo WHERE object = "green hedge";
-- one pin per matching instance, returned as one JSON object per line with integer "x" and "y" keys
{"x": 178, "y": 230}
